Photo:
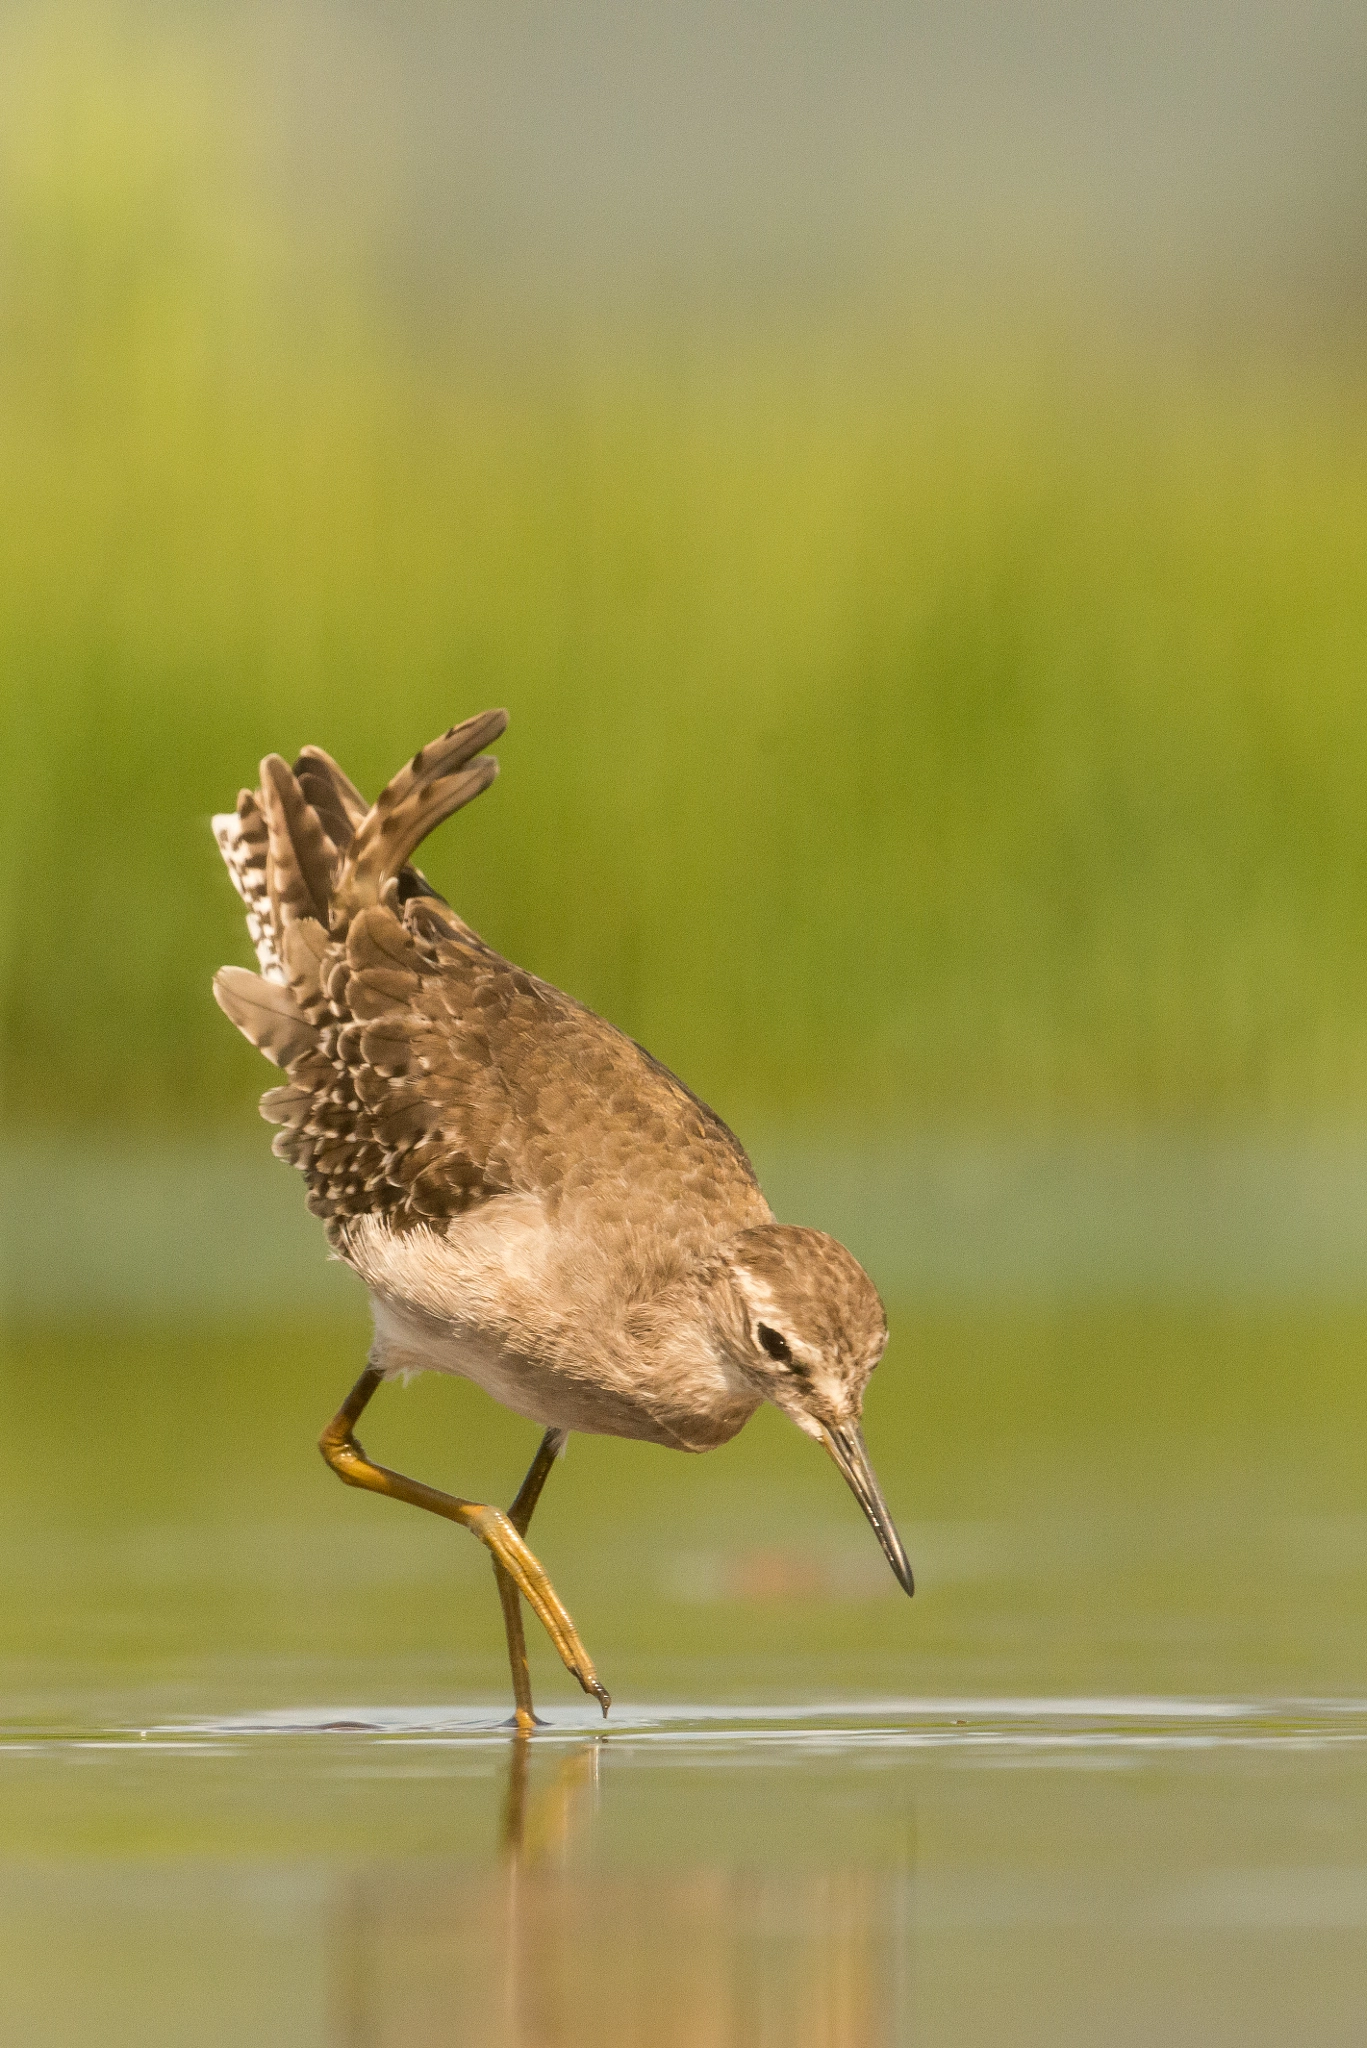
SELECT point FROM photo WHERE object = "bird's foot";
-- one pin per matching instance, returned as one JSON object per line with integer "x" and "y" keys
{"x": 499, "y": 1536}
{"x": 524, "y": 1721}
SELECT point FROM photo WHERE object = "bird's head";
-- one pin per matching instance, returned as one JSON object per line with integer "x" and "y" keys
{"x": 805, "y": 1326}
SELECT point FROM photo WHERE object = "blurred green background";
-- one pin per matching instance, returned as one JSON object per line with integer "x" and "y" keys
{"x": 937, "y": 693}
{"x": 907, "y": 478}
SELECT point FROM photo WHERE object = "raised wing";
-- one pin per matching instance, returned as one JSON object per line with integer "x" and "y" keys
{"x": 426, "y": 1074}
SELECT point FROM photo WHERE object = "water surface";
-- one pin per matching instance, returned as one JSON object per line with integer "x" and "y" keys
{"x": 1104, "y": 1780}
{"x": 899, "y": 1871}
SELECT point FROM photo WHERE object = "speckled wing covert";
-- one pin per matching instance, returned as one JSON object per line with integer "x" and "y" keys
{"x": 426, "y": 1074}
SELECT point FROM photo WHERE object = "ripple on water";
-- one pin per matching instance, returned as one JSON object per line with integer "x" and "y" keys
{"x": 1056, "y": 1728}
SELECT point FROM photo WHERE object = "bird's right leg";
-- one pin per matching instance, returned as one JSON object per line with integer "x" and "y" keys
{"x": 520, "y": 1514}
{"x": 494, "y": 1529}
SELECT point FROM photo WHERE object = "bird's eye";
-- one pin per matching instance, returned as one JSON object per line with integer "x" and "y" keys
{"x": 776, "y": 1346}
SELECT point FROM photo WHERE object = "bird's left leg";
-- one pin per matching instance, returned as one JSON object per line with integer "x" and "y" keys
{"x": 520, "y": 1515}
{"x": 339, "y": 1446}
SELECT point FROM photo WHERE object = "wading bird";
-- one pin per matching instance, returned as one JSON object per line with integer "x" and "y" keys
{"x": 531, "y": 1200}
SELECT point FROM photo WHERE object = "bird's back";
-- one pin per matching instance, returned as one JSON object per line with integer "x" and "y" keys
{"x": 427, "y": 1076}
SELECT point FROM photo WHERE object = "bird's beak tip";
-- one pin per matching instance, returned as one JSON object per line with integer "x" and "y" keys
{"x": 847, "y": 1449}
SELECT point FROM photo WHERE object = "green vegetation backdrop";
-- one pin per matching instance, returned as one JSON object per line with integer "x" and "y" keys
{"x": 902, "y": 731}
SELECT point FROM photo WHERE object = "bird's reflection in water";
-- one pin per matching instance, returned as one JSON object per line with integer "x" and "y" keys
{"x": 546, "y": 1947}
{"x": 542, "y": 1833}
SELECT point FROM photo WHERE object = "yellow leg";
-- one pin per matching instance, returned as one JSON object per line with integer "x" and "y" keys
{"x": 494, "y": 1529}
{"x": 520, "y": 1514}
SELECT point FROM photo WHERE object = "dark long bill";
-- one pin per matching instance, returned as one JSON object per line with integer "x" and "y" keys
{"x": 846, "y": 1446}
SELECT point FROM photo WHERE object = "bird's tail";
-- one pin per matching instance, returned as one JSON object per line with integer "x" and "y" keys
{"x": 307, "y": 855}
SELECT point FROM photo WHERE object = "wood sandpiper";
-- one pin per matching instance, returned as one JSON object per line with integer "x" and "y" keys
{"x": 531, "y": 1200}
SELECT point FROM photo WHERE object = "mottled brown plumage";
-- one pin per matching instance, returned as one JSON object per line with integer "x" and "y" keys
{"x": 531, "y": 1199}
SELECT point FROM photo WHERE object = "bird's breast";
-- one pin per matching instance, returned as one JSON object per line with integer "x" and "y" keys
{"x": 497, "y": 1302}
{"x": 555, "y": 1393}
